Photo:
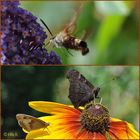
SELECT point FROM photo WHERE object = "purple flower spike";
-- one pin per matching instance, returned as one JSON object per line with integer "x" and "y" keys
{"x": 22, "y": 37}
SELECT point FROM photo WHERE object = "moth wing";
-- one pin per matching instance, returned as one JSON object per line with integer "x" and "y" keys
{"x": 30, "y": 123}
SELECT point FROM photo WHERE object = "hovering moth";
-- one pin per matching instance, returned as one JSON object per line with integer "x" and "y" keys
{"x": 81, "y": 91}
{"x": 65, "y": 40}
{"x": 30, "y": 123}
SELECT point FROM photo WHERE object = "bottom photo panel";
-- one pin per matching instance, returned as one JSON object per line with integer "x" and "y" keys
{"x": 70, "y": 102}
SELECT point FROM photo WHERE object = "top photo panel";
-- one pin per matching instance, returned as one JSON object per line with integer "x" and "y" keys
{"x": 69, "y": 33}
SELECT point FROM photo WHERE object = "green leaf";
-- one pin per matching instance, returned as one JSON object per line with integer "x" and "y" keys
{"x": 109, "y": 28}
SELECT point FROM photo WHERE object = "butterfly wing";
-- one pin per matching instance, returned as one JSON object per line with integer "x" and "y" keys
{"x": 30, "y": 123}
{"x": 78, "y": 93}
{"x": 81, "y": 91}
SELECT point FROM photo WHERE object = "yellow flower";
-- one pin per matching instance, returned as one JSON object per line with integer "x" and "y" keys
{"x": 91, "y": 122}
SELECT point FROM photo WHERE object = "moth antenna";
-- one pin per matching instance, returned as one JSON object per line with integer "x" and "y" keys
{"x": 46, "y": 27}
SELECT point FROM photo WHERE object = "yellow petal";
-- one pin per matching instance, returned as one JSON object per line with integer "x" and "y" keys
{"x": 65, "y": 124}
{"x": 122, "y": 130}
{"x": 51, "y": 107}
{"x": 59, "y": 128}
{"x": 37, "y": 134}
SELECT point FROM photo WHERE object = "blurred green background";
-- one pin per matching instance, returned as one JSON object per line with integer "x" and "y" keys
{"x": 21, "y": 84}
{"x": 113, "y": 24}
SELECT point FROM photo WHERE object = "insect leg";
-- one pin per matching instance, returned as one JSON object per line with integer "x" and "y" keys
{"x": 61, "y": 51}
{"x": 94, "y": 98}
{"x": 69, "y": 52}
{"x": 100, "y": 100}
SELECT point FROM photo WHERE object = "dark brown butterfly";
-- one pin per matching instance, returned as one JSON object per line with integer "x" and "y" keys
{"x": 81, "y": 91}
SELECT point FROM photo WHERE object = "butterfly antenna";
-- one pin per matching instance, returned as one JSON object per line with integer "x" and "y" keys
{"x": 46, "y": 27}
{"x": 104, "y": 83}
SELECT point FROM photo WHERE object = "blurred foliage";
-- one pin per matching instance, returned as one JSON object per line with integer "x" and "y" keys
{"x": 113, "y": 26}
{"x": 21, "y": 84}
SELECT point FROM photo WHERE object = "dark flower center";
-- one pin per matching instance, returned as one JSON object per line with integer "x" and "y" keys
{"x": 95, "y": 118}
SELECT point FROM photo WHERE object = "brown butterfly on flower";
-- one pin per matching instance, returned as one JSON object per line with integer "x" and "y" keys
{"x": 65, "y": 40}
{"x": 30, "y": 123}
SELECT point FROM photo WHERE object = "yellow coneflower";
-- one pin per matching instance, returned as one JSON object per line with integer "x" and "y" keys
{"x": 91, "y": 122}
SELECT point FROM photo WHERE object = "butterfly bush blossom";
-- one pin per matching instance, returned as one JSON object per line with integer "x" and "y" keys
{"x": 22, "y": 37}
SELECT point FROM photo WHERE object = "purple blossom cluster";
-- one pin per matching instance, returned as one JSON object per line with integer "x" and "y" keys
{"x": 22, "y": 38}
